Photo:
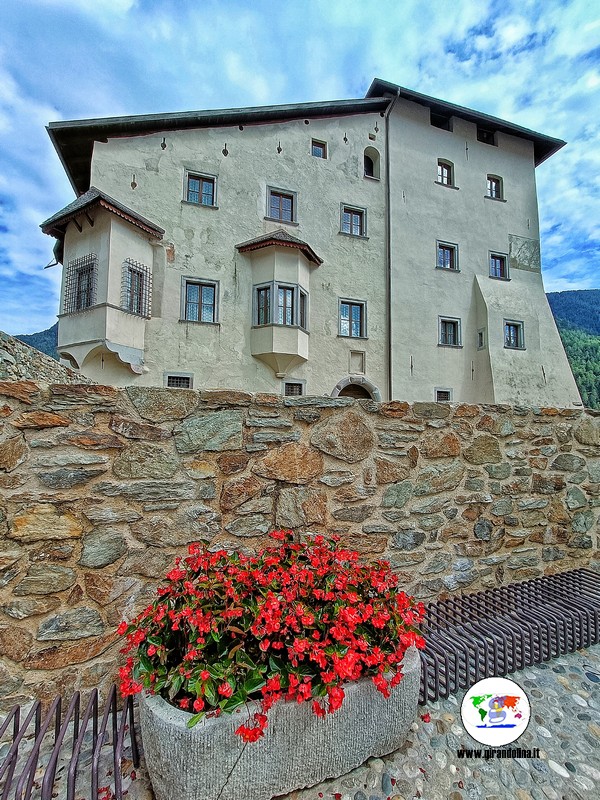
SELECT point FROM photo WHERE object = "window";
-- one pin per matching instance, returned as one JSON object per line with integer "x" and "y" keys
{"x": 179, "y": 381}
{"x": 445, "y": 173}
{"x": 353, "y": 319}
{"x": 447, "y": 256}
{"x": 200, "y": 190}
{"x": 486, "y": 136}
{"x": 80, "y": 284}
{"x": 498, "y": 266}
{"x": 494, "y": 187}
{"x": 285, "y": 305}
{"x": 353, "y": 221}
{"x": 514, "y": 338}
{"x": 443, "y": 395}
{"x": 319, "y": 149}
{"x": 371, "y": 162}
{"x": 282, "y": 206}
{"x": 442, "y": 121}
{"x": 449, "y": 332}
{"x": 136, "y": 288}
{"x": 293, "y": 388}
{"x": 199, "y": 301}
{"x": 481, "y": 339}
{"x": 290, "y": 307}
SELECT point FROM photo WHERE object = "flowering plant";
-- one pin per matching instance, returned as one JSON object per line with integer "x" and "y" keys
{"x": 293, "y": 622}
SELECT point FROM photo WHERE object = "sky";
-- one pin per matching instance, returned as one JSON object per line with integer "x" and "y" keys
{"x": 533, "y": 62}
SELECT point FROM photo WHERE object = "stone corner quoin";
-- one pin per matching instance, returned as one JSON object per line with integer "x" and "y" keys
{"x": 101, "y": 488}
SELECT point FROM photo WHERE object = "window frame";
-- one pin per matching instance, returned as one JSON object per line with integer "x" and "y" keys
{"x": 520, "y": 328}
{"x": 191, "y": 174}
{"x": 443, "y": 321}
{"x": 504, "y": 275}
{"x": 496, "y": 180}
{"x": 179, "y": 375}
{"x": 202, "y": 283}
{"x": 353, "y": 302}
{"x": 446, "y": 389}
{"x": 318, "y": 143}
{"x": 273, "y": 191}
{"x": 481, "y": 339}
{"x": 361, "y": 213}
{"x": 143, "y": 306}
{"x": 293, "y": 382}
{"x": 444, "y": 165}
{"x": 452, "y": 248}
{"x": 374, "y": 156}
{"x": 270, "y": 290}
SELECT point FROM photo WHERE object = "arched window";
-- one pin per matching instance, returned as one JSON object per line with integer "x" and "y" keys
{"x": 371, "y": 163}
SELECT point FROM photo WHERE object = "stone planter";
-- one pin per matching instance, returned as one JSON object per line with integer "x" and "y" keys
{"x": 298, "y": 749}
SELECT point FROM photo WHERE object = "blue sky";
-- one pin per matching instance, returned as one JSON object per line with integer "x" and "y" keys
{"x": 534, "y": 63}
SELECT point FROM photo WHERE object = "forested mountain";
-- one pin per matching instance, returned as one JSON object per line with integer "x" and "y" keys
{"x": 577, "y": 315}
{"x": 45, "y": 341}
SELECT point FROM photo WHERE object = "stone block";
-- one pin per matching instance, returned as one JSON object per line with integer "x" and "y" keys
{"x": 301, "y": 506}
{"x": 75, "y": 394}
{"x": 291, "y": 463}
{"x": 45, "y": 579}
{"x": 43, "y": 522}
{"x": 353, "y": 513}
{"x": 101, "y": 547}
{"x": 41, "y": 419}
{"x": 92, "y": 440}
{"x": 250, "y": 525}
{"x": 238, "y": 490}
{"x": 485, "y": 449}
{"x": 132, "y": 429}
{"x": 215, "y": 431}
{"x": 345, "y": 437}
{"x": 67, "y": 478}
{"x": 15, "y": 643}
{"x": 397, "y": 495}
{"x": 13, "y": 453}
{"x": 162, "y": 405}
{"x": 80, "y": 623}
{"x": 149, "y": 490}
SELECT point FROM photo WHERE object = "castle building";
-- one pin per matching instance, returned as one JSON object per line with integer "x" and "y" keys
{"x": 385, "y": 248}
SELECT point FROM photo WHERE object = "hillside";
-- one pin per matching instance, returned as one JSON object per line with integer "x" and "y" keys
{"x": 577, "y": 315}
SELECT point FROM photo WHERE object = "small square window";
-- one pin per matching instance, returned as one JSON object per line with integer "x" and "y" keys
{"x": 514, "y": 338}
{"x": 353, "y": 221}
{"x": 178, "y": 381}
{"x": 498, "y": 266}
{"x": 486, "y": 136}
{"x": 352, "y": 318}
{"x": 494, "y": 187}
{"x": 281, "y": 206}
{"x": 442, "y": 121}
{"x": 449, "y": 332}
{"x": 199, "y": 301}
{"x": 443, "y": 395}
{"x": 445, "y": 173}
{"x": 318, "y": 149}
{"x": 200, "y": 189}
{"x": 447, "y": 256}
{"x": 293, "y": 389}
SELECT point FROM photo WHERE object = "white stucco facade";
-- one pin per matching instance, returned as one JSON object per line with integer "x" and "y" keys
{"x": 344, "y": 293}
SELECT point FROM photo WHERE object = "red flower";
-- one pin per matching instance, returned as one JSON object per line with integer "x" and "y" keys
{"x": 225, "y": 689}
{"x": 426, "y": 717}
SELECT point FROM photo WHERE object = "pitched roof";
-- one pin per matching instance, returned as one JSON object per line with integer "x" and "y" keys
{"x": 544, "y": 146}
{"x": 74, "y": 139}
{"x": 56, "y": 224}
{"x": 280, "y": 238}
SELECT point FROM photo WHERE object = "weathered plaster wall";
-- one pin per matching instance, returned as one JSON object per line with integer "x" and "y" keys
{"x": 102, "y": 487}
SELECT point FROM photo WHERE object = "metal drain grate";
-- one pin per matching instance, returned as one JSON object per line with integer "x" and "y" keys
{"x": 42, "y": 746}
{"x": 501, "y": 630}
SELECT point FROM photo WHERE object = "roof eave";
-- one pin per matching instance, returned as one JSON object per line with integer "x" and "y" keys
{"x": 544, "y": 146}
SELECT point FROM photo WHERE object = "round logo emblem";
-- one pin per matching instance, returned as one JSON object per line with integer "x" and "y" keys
{"x": 495, "y": 711}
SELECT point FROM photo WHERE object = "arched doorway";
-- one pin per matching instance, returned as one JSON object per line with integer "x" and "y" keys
{"x": 358, "y": 387}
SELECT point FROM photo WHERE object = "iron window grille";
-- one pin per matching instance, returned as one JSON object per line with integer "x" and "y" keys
{"x": 200, "y": 302}
{"x": 352, "y": 319}
{"x": 136, "y": 288}
{"x": 179, "y": 381}
{"x": 292, "y": 389}
{"x": 81, "y": 284}
{"x": 200, "y": 190}
{"x": 443, "y": 395}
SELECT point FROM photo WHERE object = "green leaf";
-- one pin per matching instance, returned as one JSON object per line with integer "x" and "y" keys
{"x": 231, "y": 703}
{"x": 254, "y": 682}
{"x": 195, "y": 719}
{"x": 210, "y": 693}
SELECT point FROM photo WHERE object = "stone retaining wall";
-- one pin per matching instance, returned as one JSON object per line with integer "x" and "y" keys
{"x": 20, "y": 361}
{"x": 102, "y": 487}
